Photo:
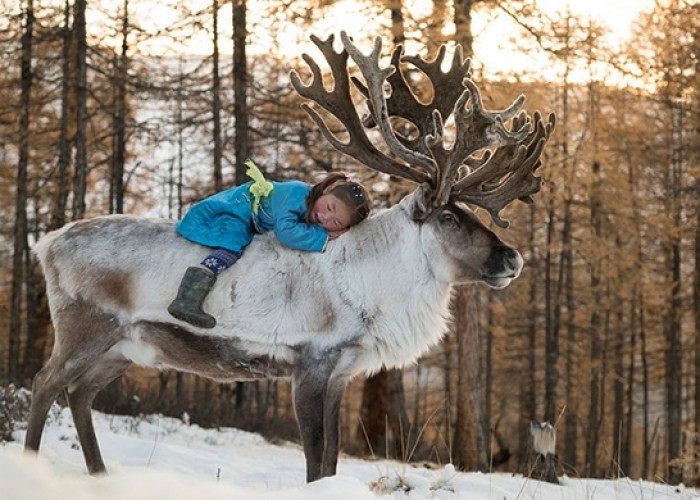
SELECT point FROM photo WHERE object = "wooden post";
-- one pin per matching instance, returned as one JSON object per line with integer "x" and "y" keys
{"x": 542, "y": 456}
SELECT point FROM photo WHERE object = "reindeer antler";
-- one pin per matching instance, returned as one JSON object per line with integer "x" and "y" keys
{"x": 507, "y": 174}
{"x": 403, "y": 102}
{"x": 339, "y": 103}
{"x": 497, "y": 161}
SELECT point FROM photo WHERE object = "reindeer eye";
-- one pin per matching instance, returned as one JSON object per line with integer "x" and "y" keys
{"x": 447, "y": 217}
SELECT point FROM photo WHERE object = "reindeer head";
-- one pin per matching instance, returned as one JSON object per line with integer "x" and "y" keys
{"x": 490, "y": 162}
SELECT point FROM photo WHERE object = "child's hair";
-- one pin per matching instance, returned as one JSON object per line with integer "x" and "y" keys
{"x": 353, "y": 194}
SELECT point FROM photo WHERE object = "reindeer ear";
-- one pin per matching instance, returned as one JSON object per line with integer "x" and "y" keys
{"x": 422, "y": 202}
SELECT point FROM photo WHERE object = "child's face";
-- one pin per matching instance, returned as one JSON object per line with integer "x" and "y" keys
{"x": 331, "y": 214}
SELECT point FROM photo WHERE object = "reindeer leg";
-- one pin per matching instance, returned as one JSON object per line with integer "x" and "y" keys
{"x": 85, "y": 336}
{"x": 331, "y": 407}
{"x": 309, "y": 388}
{"x": 80, "y": 398}
{"x": 47, "y": 384}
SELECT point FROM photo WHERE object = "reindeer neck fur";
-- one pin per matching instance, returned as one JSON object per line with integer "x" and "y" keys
{"x": 385, "y": 272}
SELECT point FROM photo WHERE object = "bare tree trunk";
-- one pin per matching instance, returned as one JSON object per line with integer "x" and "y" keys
{"x": 433, "y": 34}
{"x": 471, "y": 435}
{"x": 216, "y": 100}
{"x": 573, "y": 397}
{"x": 637, "y": 316}
{"x": 80, "y": 177}
{"x": 463, "y": 25}
{"x": 626, "y": 451}
{"x": 162, "y": 397}
{"x": 606, "y": 298}
{"x": 180, "y": 142}
{"x": 595, "y": 332}
{"x": 384, "y": 425}
{"x": 179, "y": 377}
{"x": 551, "y": 343}
{"x": 469, "y": 355}
{"x": 399, "y": 423}
{"x": 553, "y": 332}
{"x": 30, "y": 363}
{"x": 488, "y": 378}
{"x": 696, "y": 289}
{"x": 240, "y": 398}
{"x": 397, "y": 25}
{"x": 634, "y": 313}
{"x": 270, "y": 386}
{"x": 619, "y": 423}
{"x": 528, "y": 406}
{"x": 674, "y": 358}
{"x": 20, "y": 233}
{"x": 59, "y": 218}
{"x": 180, "y": 392}
{"x": 566, "y": 273}
{"x": 417, "y": 399}
{"x": 448, "y": 353}
{"x": 696, "y": 301}
{"x": 646, "y": 405}
{"x": 240, "y": 85}
{"x": 120, "y": 76}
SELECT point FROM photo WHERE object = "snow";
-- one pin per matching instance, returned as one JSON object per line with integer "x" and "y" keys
{"x": 155, "y": 457}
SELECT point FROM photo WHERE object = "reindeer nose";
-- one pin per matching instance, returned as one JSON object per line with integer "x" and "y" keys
{"x": 504, "y": 261}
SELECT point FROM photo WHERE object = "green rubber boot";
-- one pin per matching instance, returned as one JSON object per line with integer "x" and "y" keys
{"x": 194, "y": 288}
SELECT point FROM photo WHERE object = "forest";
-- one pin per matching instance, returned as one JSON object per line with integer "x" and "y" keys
{"x": 144, "y": 107}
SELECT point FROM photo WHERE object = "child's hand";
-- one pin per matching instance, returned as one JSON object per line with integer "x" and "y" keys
{"x": 334, "y": 234}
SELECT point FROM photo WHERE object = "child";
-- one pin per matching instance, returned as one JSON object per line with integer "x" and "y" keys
{"x": 303, "y": 217}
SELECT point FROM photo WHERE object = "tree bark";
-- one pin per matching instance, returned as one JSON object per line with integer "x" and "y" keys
{"x": 571, "y": 422}
{"x": 696, "y": 300}
{"x": 595, "y": 330}
{"x": 179, "y": 118}
{"x": 471, "y": 434}
{"x": 488, "y": 376}
{"x": 528, "y": 406}
{"x": 80, "y": 177}
{"x": 398, "y": 35}
{"x": 119, "y": 154}
{"x": 433, "y": 33}
{"x": 696, "y": 289}
{"x": 626, "y": 451}
{"x": 646, "y": 404}
{"x": 30, "y": 363}
{"x": 551, "y": 329}
{"x": 216, "y": 100}
{"x": 59, "y": 217}
{"x": 384, "y": 428}
{"x": 240, "y": 85}
{"x": 463, "y": 25}
{"x": 20, "y": 231}
{"x": 619, "y": 423}
{"x": 638, "y": 331}
{"x": 674, "y": 358}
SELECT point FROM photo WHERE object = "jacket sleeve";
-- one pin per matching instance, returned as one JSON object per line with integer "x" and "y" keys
{"x": 291, "y": 228}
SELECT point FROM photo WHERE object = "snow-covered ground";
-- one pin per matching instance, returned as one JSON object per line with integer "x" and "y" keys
{"x": 156, "y": 457}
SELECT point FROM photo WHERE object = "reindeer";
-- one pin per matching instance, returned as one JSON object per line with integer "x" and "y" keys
{"x": 378, "y": 297}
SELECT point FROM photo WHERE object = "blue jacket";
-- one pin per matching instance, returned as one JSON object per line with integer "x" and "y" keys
{"x": 226, "y": 219}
